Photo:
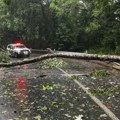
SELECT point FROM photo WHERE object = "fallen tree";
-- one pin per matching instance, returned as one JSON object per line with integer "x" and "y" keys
{"x": 64, "y": 55}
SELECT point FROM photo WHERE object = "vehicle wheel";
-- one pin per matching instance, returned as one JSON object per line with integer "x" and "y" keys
{"x": 15, "y": 55}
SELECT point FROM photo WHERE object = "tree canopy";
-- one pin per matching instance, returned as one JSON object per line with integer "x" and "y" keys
{"x": 71, "y": 25}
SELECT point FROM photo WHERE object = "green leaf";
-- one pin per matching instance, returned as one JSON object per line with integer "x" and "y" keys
{"x": 38, "y": 117}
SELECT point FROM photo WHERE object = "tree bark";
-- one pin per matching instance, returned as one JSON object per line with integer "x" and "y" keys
{"x": 64, "y": 55}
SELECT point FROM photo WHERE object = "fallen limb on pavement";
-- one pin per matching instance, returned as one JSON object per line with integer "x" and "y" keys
{"x": 64, "y": 55}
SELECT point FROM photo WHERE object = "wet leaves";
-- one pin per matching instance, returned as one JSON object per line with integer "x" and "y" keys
{"x": 54, "y": 103}
{"x": 3, "y": 112}
{"x": 67, "y": 115}
{"x": 62, "y": 103}
{"x": 26, "y": 110}
{"x": 38, "y": 117}
{"x": 79, "y": 117}
{"x": 74, "y": 77}
{"x": 12, "y": 94}
{"x": 42, "y": 108}
{"x": 16, "y": 119}
{"x": 47, "y": 87}
{"x": 57, "y": 103}
{"x": 52, "y": 62}
{"x": 104, "y": 91}
{"x": 26, "y": 118}
{"x": 62, "y": 93}
{"x": 103, "y": 116}
{"x": 99, "y": 73}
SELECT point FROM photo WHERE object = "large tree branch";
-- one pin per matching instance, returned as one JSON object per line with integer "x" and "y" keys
{"x": 64, "y": 55}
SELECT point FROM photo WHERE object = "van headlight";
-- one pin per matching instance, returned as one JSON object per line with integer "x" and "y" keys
{"x": 26, "y": 52}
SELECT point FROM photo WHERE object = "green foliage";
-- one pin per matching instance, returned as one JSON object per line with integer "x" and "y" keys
{"x": 70, "y": 25}
{"x": 8, "y": 2}
{"x": 74, "y": 77}
{"x": 99, "y": 73}
{"x": 62, "y": 6}
{"x": 93, "y": 26}
{"x": 66, "y": 36}
{"x": 117, "y": 50}
{"x": 42, "y": 108}
{"x": 47, "y": 87}
{"x": 38, "y": 117}
{"x": 104, "y": 92}
{"x": 52, "y": 62}
{"x": 56, "y": 103}
{"x": 28, "y": 21}
{"x": 4, "y": 57}
{"x": 101, "y": 51}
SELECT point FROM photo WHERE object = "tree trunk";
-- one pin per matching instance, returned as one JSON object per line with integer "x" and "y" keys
{"x": 64, "y": 55}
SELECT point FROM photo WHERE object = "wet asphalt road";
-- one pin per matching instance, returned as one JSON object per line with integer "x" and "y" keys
{"x": 30, "y": 93}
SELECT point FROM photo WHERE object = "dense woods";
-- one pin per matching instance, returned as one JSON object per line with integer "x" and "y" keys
{"x": 70, "y": 25}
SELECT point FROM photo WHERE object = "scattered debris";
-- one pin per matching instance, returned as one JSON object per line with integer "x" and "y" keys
{"x": 80, "y": 117}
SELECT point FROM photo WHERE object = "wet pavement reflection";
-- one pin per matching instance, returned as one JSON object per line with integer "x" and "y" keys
{"x": 22, "y": 91}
